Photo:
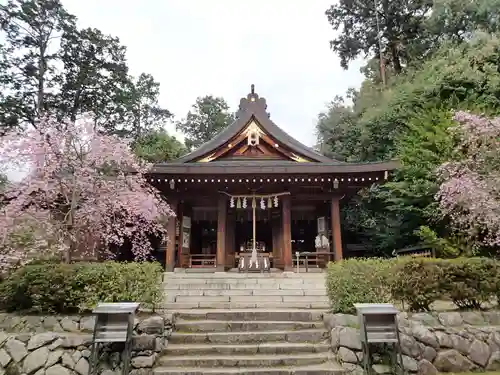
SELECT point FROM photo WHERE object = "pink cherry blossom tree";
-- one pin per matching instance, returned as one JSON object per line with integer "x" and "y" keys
{"x": 470, "y": 190}
{"x": 80, "y": 183}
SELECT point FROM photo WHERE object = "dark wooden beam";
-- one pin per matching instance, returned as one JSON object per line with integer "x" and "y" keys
{"x": 336, "y": 229}
{"x": 221, "y": 232}
{"x": 287, "y": 232}
{"x": 170, "y": 248}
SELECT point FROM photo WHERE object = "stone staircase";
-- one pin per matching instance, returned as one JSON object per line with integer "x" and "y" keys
{"x": 228, "y": 290}
{"x": 230, "y": 323}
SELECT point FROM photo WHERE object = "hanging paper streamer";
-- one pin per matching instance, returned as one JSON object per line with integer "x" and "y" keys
{"x": 244, "y": 205}
{"x": 238, "y": 203}
{"x": 269, "y": 203}
{"x": 262, "y": 204}
{"x": 276, "y": 201}
{"x": 231, "y": 202}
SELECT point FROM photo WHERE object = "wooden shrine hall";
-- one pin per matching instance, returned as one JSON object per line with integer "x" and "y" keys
{"x": 253, "y": 189}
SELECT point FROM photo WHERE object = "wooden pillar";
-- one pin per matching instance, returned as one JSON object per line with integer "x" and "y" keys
{"x": 336, "y": 232}
{"x": 180, "y": 215}
{"x": 221, "y": 233}
{"x": 230, "y": 247}
{"x": 170, "y": 248}
{"x": 287, "y": 235}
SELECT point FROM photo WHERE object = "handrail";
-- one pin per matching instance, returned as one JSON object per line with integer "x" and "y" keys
{"x": 203, "y": 259}
{"x": 306, "y": 255}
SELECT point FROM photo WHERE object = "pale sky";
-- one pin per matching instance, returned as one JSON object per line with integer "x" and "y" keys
{"x": 220, "y": 47}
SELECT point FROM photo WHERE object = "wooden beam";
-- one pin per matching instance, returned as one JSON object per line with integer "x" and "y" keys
{"x": 170, "y": 248}
{"x": 287, "y": 232}
{"x": 221, "y": 232}
{"x": 336, "y": 229}
{"x": 180, "y": 216}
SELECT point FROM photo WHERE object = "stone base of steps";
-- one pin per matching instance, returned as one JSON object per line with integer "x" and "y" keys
{"x": 256, "y": 360}
{"x": 212, "y": 273}
{"x": 302, "y": 336}
{"x": 169, "y": 306}
{"x": 246, "y": 299}
{"x": 250, "y": 314}
{"x": 246, "y": 349}
{"x": 199, "y": 285}
{"x": 323, "y": 369}
{"x": 247, "y": 341}
{"x": 242, "y": 326}
{"x": 245, "y": 292}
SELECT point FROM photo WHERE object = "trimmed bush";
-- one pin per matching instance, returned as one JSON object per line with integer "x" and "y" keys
{"x": 470, "y": 282}
{"x": 357, "y": 281}
{"x": 70, "y": 288}
{"x": 418, "y": 282}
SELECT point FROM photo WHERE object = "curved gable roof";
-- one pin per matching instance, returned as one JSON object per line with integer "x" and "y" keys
{"x": 254, "y": 107}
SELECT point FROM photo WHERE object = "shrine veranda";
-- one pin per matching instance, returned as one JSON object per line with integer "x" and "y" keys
{"x": 255, "y": 188}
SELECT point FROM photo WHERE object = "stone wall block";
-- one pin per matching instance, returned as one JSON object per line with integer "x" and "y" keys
{"x": 450, "y": 319}
{"x": 35, "y": 360}
{"x": 346, "y": 355}
{"x": 350, "y": 338}
{"x": 410, "y": 364}
{"x": 444, "y": 340}
{"x": 461, "y": 344}
{"x": 61, "y": 345}
{"x": 335, "y": 338}
{"x": 430, "y": 343}
{"x": 452, "y": 361}
{"x": 479, "y": 353}
{"x": 409, "y": 346}
{"x": 494, "y": 362}
{"x": 152, "y": 325}
{"x": 425, "y": 336}
{"x": 16, "y": 349}
{"x": 426, "y": 368}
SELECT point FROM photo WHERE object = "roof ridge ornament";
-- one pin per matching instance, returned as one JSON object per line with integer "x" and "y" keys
{"x": 253, "y": 103}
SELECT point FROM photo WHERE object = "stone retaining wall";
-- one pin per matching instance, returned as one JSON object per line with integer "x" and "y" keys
{"x": 431, "y": 343}
{"x": 60, "y": 345}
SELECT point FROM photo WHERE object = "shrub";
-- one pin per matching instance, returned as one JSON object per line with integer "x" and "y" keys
{"x": 68, "y": 288}
{"x": 39, "y": 288}
{"x": 417, "y": 282}
{"x": 357, "y": 281}
{"x": 470, "y": 282}
{"x": 118, "y": 282}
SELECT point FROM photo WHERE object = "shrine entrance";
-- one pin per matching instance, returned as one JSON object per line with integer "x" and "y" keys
{"x": 254, "y": 191}
{"x": 255, "y": 243}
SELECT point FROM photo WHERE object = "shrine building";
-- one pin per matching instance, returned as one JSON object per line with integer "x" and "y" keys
{"x": 255, "y": 188}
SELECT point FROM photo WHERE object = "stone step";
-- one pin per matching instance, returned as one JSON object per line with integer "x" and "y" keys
{"x": 169, "y": 306}
{"x": 250, "y": 314}
{"x": 258, "y": 360}
{"x": 245, "y": 292}
{"x": 327, "y": 368}
{"x": 229, "y": 349}
{"x": 319, "y": 281}
{"x": 243, "y": 275}
{"x": 241, "y": 326}
{"x": 257, "y": 298}
{"x": 303, "y": 336}
{"x": 228, "y": 286}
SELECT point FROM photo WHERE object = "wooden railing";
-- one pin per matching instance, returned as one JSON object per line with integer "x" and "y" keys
{"x": 202, "y": 260}
{"x": 318, "y": 259}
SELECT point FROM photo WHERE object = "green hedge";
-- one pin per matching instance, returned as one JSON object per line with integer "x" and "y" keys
{"x": 416, "y": 282}
{"x": 357, "y": 281}
{"x": 70, "y": 288}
